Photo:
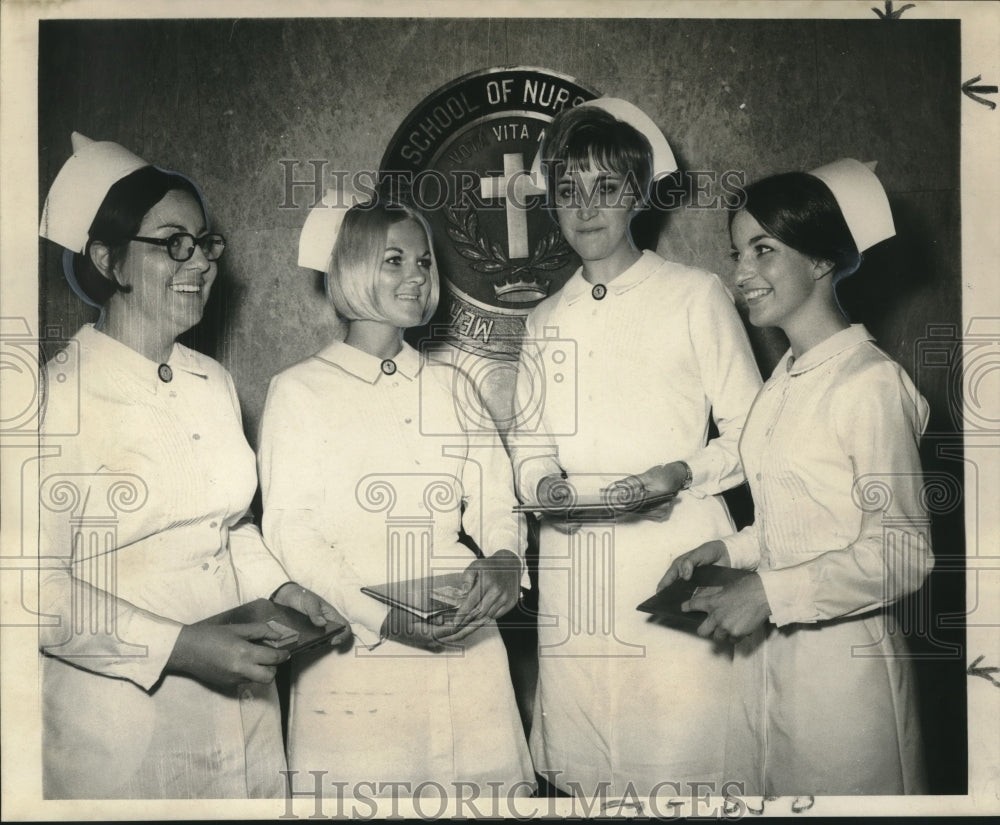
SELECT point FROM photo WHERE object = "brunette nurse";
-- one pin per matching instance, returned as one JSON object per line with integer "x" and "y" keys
{"x": 827, "y": 701}
{"x": 146, "y": 481}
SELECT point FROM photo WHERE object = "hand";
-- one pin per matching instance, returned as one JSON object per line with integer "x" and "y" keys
{"x": 556, "y": 491}
{"x": 661, "y": 479}
{"x": 225, "y": 655}
{"x": 493, "y": 586}
{"x": 318, "y": 609}
{"x": 406, "y": 628}
{"x": 734, "y": 611}
{"x": 683, "y": 566}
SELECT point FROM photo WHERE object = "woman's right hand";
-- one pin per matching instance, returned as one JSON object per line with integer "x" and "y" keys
{"x": 226, "y": 655}
{"x": 404, "y": 627}
{"x": 683, "y": 566}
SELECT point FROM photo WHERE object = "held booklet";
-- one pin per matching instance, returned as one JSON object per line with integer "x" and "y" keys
{"x": 666, "y": 605}
{"x": 596, "y": 498}
{"x": 426, "y": 598}
{"x": 298, "y": 632}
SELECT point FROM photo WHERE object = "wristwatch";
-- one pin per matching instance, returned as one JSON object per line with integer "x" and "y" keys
{"x": 688, "y": 476}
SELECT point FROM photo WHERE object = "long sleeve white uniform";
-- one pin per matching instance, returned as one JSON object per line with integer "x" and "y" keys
{"x": 633, "y": 380}
{"x": 141, "y": 495}
{"x": 361, "y": 487}
{"x": 831, "y": 453}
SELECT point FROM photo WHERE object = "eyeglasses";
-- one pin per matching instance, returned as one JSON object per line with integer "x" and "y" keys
{"x": 180, "y": 246}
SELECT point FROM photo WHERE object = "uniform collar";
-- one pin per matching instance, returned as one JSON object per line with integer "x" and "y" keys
{"x": 834, "y": 345}
{"x": 370, "y": 368}
{"x": 577, "y": 286}
{"x": 125, "y": 361}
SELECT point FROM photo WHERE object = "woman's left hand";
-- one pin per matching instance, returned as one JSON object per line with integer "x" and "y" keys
{"x": 318, "y": 609}
{"x": 494, "y": 585}
{"x": 734, "y": 611}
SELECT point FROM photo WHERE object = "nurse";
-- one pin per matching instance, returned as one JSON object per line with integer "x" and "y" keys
{"x": 827, "y": 701}
{"x": 368, "y": 476}
{"x": 144, "y": 488}
{"x": 623, "y": 705}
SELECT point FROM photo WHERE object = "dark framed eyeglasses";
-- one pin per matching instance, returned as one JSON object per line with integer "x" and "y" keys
{"x": 180, "y": 246}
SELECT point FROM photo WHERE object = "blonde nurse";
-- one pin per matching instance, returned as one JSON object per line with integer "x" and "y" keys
{"x": 369, "y": 476}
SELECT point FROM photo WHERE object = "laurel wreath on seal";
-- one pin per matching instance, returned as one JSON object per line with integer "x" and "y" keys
{"x": 488, "y": 256}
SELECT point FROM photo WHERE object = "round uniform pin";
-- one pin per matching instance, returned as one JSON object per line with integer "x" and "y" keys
{"x": 388, "y": 366}
{"x": 166, "y": 374}
{"x": 599, "y": 291}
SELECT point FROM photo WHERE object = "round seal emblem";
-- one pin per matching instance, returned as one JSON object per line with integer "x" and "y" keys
{"x": 468, "y": 157}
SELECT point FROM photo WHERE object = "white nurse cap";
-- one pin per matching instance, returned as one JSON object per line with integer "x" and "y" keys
{"x": 319, "y": 232}
{"x": 861, "y": 199}
{"x": 80, "y": 188}
{"x": 663, "y": 157}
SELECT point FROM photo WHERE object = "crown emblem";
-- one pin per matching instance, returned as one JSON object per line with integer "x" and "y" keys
{"x": 522, "y": 291}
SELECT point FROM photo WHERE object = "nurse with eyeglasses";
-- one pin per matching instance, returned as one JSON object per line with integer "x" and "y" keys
{"x": 146, "y": 482}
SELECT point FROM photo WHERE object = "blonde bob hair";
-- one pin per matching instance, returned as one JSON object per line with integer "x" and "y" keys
{"x": 358, "y": 255}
